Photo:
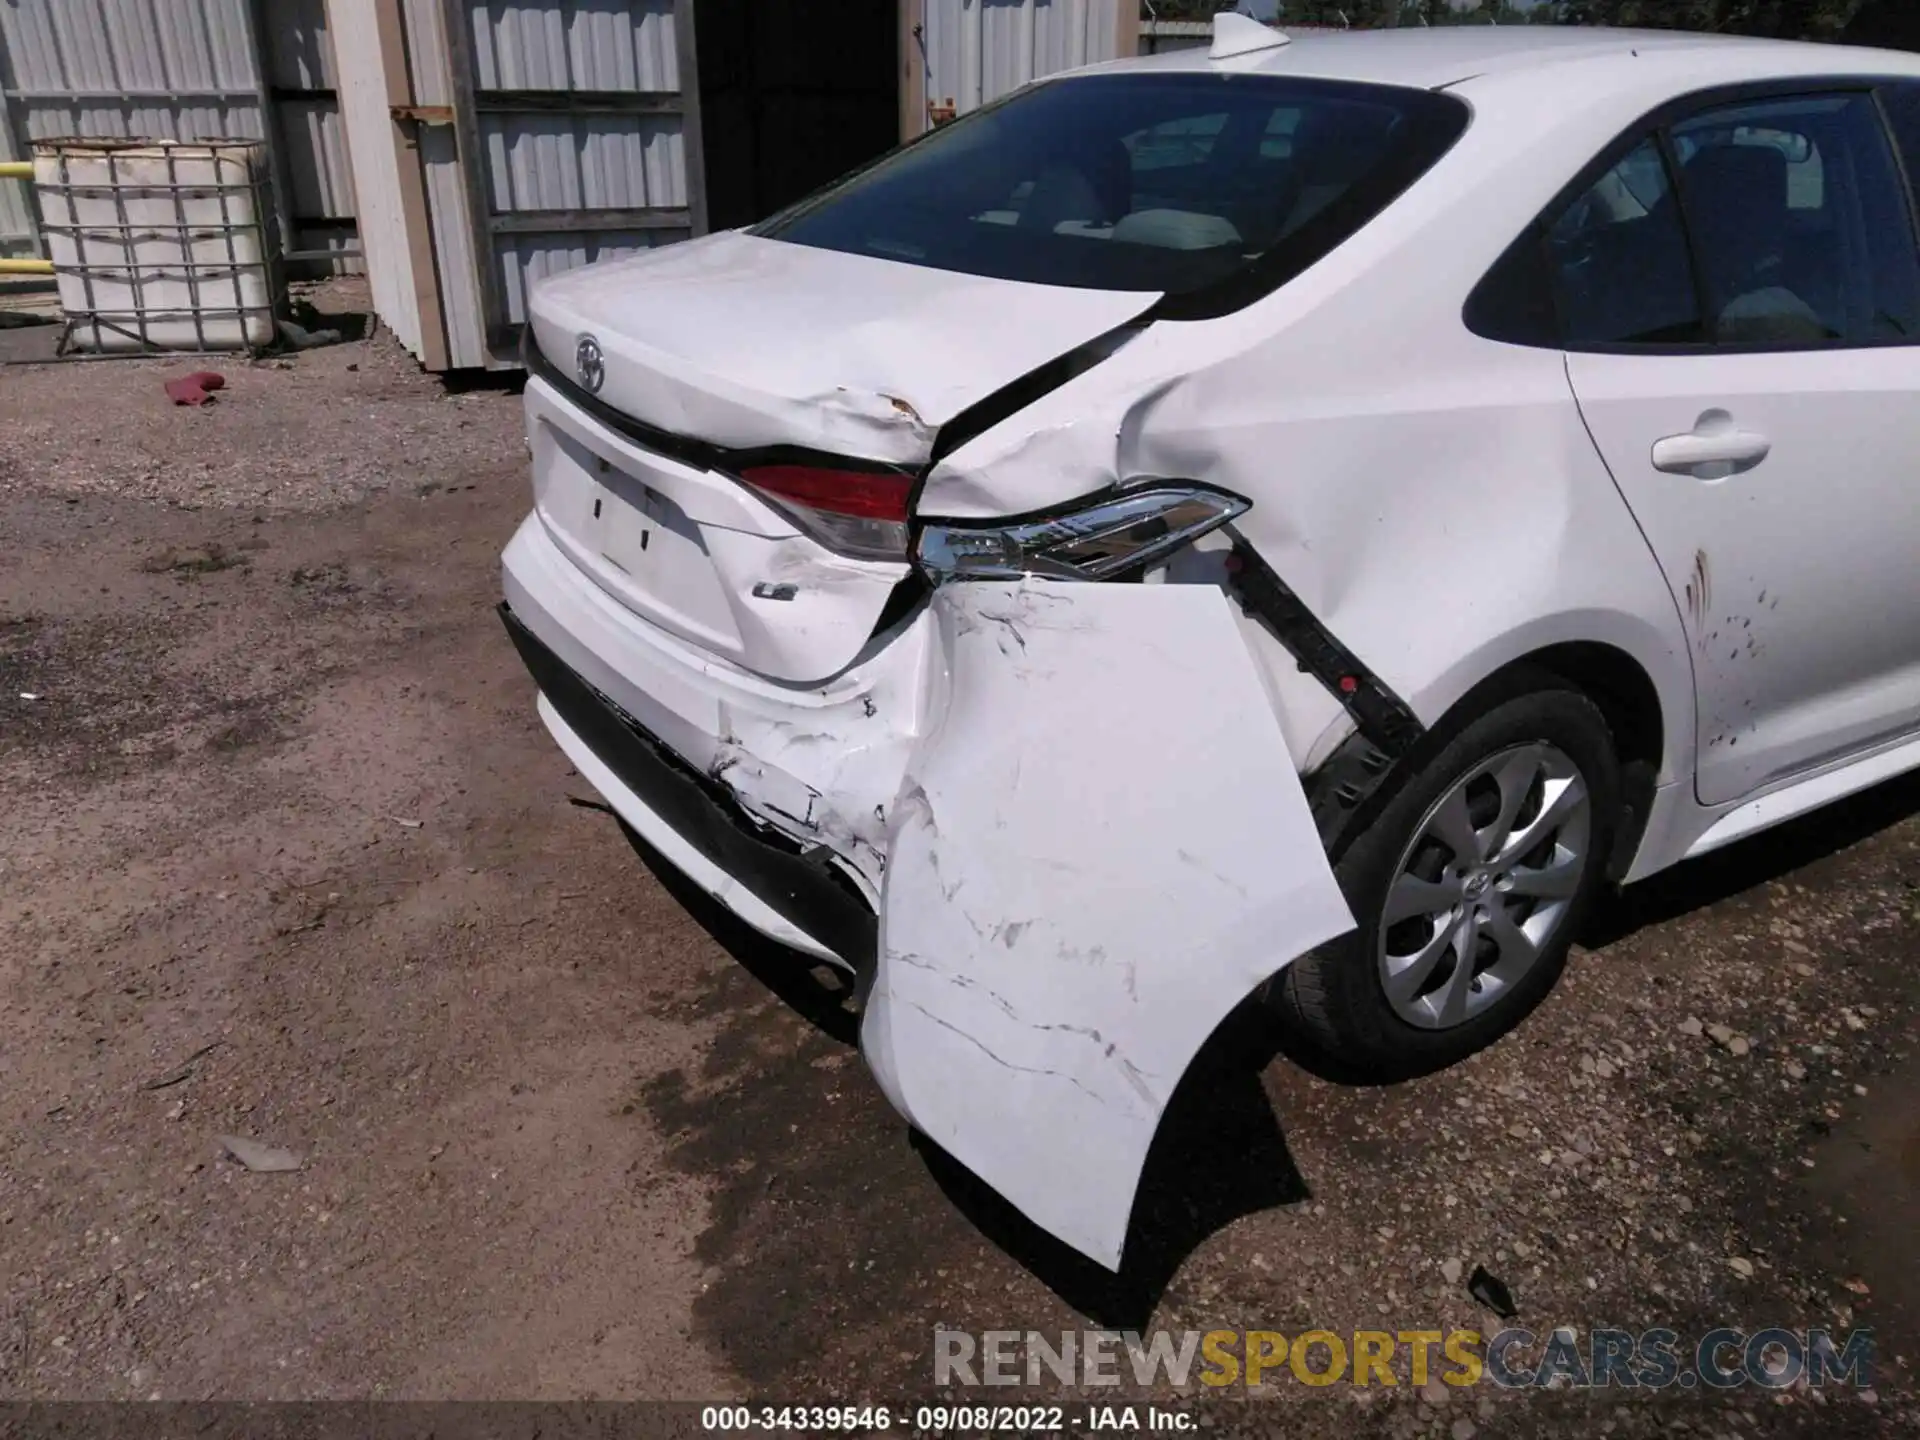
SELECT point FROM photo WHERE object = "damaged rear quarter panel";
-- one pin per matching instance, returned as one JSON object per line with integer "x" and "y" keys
{"x": 1100, "y": 849}
{"x": 1430, "y": 495}
{"x": 1441, "y": 513}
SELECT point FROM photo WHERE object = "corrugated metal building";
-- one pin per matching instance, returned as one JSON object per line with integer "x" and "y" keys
{"x": 181, "y": 70}
{"x": 1157, "y": 37}
{"x": 976, "y": 50}
{"x": 496, "y": 141}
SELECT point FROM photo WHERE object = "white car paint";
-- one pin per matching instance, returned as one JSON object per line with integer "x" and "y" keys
{"x": 1010, "y": 804}
{"x": 683, "y": 329}
{"x": 1064, "y": 923}
{"x": 822, "y": 762}
{"x": 711, "y": 878}
{"x": 1781, "y": 686}
{"x": 709, "y": 542}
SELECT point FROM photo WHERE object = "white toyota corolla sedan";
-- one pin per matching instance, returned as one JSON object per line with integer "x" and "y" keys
{"x": 1301, "y": 518}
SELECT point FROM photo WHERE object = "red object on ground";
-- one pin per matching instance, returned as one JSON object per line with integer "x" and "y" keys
{"x": 195, "y": 389}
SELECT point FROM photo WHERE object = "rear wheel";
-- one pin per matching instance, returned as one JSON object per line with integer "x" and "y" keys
{"x": 1468, "y": 887}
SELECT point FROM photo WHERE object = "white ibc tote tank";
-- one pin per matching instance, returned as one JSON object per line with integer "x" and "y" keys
{"x": 160, "y": 245}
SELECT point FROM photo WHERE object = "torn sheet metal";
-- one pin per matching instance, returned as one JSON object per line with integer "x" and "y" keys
{"x": 1098, "y": 852}
{"x": 820, "y": 763}
{"x": 827, "y": 777}
{"x": 746, "y": 342}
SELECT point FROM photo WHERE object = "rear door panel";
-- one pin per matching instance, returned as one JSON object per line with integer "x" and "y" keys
{"x": 1772, "y": 464}
{"x": 1796, "y": 577}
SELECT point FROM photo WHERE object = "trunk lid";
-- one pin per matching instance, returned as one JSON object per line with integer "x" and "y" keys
{"x": 745, "y": 343}
{"x": 738, "y": 344}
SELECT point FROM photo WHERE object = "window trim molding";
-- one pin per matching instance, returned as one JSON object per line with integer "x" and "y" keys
{"x": 1654, "y": 125}
{"x": 1670, "y": 168}
{"x": 1907, "y": 181}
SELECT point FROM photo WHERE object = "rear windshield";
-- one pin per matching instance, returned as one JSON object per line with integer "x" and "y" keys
{"x": 1170, "y": 182}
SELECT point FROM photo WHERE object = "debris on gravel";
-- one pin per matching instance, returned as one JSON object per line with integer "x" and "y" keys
{"x": 261, "y": 1159}
{"x": 1492, "y": 1292}
{"x": 183, "y": 1071}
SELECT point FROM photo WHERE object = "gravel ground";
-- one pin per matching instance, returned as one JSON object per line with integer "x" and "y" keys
{"x": 360, "y": 420}
{"x": 290, "y": 858}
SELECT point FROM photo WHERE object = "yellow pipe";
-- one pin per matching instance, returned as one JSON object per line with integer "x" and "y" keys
{"x": 21, "y": 170}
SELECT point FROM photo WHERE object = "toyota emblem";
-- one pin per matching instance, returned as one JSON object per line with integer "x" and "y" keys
{"x": 589, "y": 364}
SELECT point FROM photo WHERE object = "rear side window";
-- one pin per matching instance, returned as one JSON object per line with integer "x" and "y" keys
{"x": 1619, "y": 259}
{"x": 1773, "y": 224}
{"x": 1153, "y": 182}
{"x": 1800, "y": 219}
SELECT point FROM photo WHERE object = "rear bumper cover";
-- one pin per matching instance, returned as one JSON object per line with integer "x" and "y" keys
{"x": 795, "y": 882}
{"x": 1090, "y": 841}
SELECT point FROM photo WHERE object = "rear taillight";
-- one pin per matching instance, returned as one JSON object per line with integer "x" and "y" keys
{"x": 858, "y": 513}
{"x": 1111, "y": 537}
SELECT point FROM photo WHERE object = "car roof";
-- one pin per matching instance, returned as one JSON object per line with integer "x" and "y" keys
{"x": 1442, "y": 56}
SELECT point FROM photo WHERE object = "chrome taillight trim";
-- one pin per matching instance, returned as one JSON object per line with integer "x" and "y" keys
{"x": 1111, "y": 536}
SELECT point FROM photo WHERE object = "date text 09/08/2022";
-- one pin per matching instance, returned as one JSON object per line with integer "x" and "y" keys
{"x": 941, "y": 1419}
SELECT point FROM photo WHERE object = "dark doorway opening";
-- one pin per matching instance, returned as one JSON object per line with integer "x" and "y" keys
{"x": 793, "y": 94}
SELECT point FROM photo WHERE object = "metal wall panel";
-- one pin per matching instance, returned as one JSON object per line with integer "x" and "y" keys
{"x": 979, "y": 50}
{"x": 313, "y": 139}
{"x": 185, "y": 70}
{"x": 1157, "y": 37}
{"x": 184, "y": 47}
{"x": 524, "y": 259}
{"x": 552, "y": 162}
{"x": 319, "y": 177}
{"x": 130, "y": 67}
{"x": 149, "y": 119}
{"x": 587, "y": 45}
{"x": 570, "y": 140}
{"x": 299, "y": 49}
{"x": 444, "y": 180}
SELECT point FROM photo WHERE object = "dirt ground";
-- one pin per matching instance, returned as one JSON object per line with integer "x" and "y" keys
{"x": 288, "y": 856}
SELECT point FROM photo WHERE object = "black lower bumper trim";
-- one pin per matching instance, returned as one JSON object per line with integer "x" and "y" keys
{"x": 795, "y": 882}
{"x": 1382, "y": 716}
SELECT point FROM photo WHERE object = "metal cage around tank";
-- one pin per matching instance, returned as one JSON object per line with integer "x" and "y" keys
{"x": 161, "y": 247}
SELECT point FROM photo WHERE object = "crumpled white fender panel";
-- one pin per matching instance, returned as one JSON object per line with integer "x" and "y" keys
{"x": 1098, "y": 852}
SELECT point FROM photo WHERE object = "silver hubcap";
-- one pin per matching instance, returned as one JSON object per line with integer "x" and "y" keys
{"x": 1484, "y": 885}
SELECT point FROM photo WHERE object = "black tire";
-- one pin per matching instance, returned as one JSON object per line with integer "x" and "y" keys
{"x": 1331, "y": 1004}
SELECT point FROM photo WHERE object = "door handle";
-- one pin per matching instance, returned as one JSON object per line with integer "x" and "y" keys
{"x": 1713, "y": 449}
